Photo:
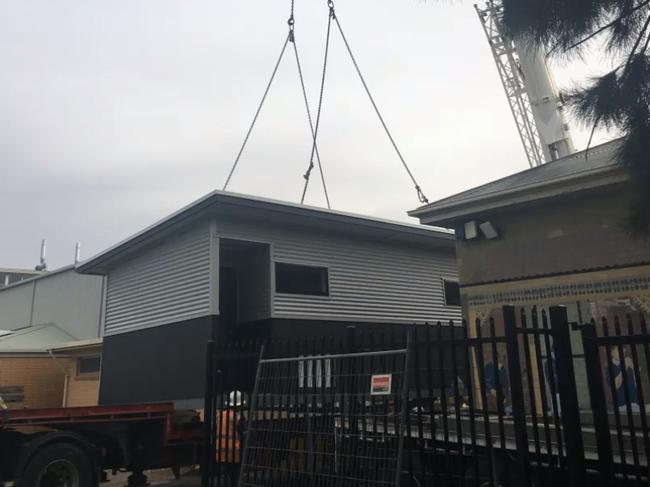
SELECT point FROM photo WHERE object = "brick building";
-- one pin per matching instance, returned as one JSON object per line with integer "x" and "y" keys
{"x": 38, "y": 314}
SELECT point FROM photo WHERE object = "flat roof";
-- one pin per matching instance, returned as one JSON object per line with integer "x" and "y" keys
{"x": 582, "y": 171}
{"x": 40, "y": 275}
{"x": 11, "y": 270}
{"x": 225, "y": 203}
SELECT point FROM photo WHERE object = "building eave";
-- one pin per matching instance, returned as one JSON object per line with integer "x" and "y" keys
{"x": 25, "y": 353}
{"x": 448, "y": 214}
{"x": 79, "y": 345}
{"x": 11, "y": 270}
{"x": 220, "y": 201}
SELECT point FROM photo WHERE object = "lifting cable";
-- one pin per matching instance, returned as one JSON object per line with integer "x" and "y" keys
{"x": 314, "y": 128}
{"x": 423, "y": 199}
{"x": 291, "y": 39}
{"x": 257, "y": 113}
{"x": 318, "y": 114}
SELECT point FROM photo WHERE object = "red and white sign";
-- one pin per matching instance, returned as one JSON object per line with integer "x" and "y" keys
{"x": 380, "y": 384}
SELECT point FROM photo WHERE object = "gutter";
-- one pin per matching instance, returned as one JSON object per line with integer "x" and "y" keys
{"x": 66, "y": 378}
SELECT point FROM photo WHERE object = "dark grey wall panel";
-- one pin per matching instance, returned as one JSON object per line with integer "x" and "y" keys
{"x": 158, "y": 364}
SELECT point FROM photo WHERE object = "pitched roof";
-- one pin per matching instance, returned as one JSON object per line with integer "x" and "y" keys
{"x": 34, "y": 339}
{"x": 77, "y": 345}
{"x": 244, "y": 206}
{"x": 581, "y": 171}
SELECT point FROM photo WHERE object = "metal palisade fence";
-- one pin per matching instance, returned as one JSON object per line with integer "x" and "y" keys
{"x": 334, "y": 419}
{"x": 524, "y": 398}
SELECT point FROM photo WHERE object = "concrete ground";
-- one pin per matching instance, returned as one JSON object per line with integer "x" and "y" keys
{"x": 158, "y": 477}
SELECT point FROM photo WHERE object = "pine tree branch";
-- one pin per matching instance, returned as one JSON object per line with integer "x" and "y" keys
{"x": 608, "y": 26}
{"x": 645, "y": 46}
{"x": 639, "y": 38}
{"x": 591, "y": 137}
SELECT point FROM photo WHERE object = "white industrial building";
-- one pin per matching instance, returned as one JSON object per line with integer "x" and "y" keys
{"x": 62, "y": 297}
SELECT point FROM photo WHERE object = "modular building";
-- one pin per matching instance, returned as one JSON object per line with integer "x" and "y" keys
{"x": 232, "y": 266}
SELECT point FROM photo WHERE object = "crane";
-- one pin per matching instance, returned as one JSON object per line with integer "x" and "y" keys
{"x": 533, "y": 97}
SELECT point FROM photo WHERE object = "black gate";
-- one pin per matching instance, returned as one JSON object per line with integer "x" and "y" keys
{"x": 230, "y": 378}
{"x": 619, "y": 363}
{"x": 491, "y": 403}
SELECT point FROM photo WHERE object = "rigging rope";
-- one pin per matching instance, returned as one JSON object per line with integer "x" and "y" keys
{"x": 314, "y": 133}
{"x": 423, "y": 199}
{"x": 314, "y": 128}
{"x": 257, "y": 113}
{"x": 314, "y": 148}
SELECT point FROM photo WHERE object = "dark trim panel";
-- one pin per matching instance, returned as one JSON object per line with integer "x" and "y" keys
{"x": 163, "y": 363}
{"x": 167, "y": 363}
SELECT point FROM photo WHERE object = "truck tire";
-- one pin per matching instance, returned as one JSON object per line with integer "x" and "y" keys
{"x": 58, "y": 465}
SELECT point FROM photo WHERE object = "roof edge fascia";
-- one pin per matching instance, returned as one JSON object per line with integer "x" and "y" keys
{"x": 444, "y": 214}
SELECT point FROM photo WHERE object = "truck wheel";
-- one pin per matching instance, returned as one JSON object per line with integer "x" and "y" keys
{"x": 58, "y": 465}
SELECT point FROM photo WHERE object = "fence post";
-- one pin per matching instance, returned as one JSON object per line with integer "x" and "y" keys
{"x": 350, "y": 405}
{"x": 208, "y": 416}
{"x": 404, "y": 410}
{"x": 517, "y": 393}
{"x": 252, "y": 416}
{"x": 598, "y": 403}
{"x": 566, "y": 380}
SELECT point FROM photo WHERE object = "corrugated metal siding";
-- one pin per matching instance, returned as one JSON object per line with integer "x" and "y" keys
{"x": 16, "y": 306}
{"x": 54, "y": 295}
{"x": 369, "y": 280}
{"x": 163, "y": 284}
{"x": 47, "y": 300}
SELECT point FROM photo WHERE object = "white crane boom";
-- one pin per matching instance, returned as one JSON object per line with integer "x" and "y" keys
{"x": 532, "y": 95}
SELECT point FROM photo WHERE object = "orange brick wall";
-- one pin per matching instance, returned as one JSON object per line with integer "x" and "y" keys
{"x": 41, "y": 378}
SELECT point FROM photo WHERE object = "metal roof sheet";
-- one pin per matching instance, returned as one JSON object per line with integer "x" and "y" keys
{"x": 225, "y": 202}
{"x": 78, "y": 344}
{"x": 34, "y": 339}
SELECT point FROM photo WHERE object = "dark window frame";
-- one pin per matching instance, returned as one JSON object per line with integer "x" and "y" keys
{"x": 282, "y": 287}
{"x": 445, "y": 284}
{"x": 98, "y": 358}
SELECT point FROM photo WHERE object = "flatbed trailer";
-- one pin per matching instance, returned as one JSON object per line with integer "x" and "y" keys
{"x": 439, "y": 433}
{"x": 75, "y": 447}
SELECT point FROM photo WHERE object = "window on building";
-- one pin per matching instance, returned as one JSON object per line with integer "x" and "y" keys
{"x": 452, "y": 293}
{"x": 301, "y": 279}
{"x": 88, "y": 365}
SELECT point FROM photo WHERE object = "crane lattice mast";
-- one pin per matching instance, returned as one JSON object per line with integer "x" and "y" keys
{"x": 532, "y": 95}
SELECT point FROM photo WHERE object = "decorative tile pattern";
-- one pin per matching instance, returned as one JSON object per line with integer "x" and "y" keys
{"x": 632, "y": 285}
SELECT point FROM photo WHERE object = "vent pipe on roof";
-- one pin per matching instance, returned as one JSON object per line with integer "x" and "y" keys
{"x": 77, "y": 253}
{"x": 43, "y": 265}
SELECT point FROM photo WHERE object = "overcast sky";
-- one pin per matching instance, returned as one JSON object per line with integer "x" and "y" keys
{"x": 115, "y": 113}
